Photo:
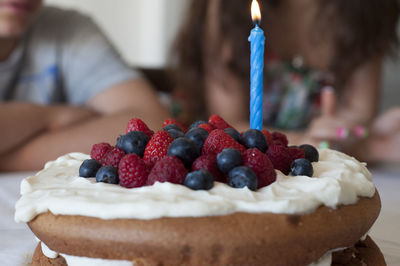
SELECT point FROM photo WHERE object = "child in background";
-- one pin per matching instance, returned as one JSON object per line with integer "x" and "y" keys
{"x": 63, "y": 87}
{"x": 322, "y": 70}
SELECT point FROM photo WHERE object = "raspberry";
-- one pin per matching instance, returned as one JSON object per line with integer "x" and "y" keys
{"x": 135, "y": 124}
{"x": 157, "y": 147}
{"x": 172, "y": 121}
{"x": 132, "y": 171}
{"x": 207, "y": 127}
{"x": 261, "y": 166}
{"x": 296, "y": 153}
{"x": 280, "y": 158}
{"x": 279, "y": 138}
{"x": 113, "y": 157}
{"x": 219, "y": 140}
{"x": 268, "y": 135}
{"x": 99, "y": 150}
{"x": 209, "y": 162}
{"x": 169, "y": 169}
{"x": 217, "y": 122}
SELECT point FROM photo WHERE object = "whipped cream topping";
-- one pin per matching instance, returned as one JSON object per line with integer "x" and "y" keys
{"x": 338, "y": 179}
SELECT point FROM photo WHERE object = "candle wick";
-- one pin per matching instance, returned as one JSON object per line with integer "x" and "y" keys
{"x": 257, "y": 22}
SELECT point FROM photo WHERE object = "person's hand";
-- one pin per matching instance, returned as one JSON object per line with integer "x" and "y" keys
{"x": 329, "y": 128}
{"x": 59, "y": 116}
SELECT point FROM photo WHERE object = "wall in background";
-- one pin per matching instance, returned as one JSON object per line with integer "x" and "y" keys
{"x": 142, "y": 30}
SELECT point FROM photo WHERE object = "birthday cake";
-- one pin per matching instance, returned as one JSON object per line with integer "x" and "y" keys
{"x": 205, "y": 196}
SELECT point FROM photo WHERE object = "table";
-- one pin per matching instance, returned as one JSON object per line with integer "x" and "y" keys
{"x": 18, "y": 243}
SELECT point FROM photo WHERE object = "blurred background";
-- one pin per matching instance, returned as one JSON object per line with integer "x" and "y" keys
{"x": 143, "y": 32}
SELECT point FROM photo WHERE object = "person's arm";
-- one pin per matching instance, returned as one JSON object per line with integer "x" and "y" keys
{"x": 22, "y": 121}
{"x": 114, "y": 106}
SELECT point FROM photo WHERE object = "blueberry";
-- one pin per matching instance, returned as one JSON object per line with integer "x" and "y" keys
{"x": 89, "y": 168}
{"x": 228, "y": 159}
{"x": 254, "y": 138}
{"x": 185, "y": 149}
{"x": 107, "y": 174}
{"x": 302, "y": 167}
{"x": 175, "y": 133}
{"x": 242, "y": 176}
{"x": 233, "y": 133}
{"x": 198, "y": 136}
{"x": 133, "y": 142}
{"x": 311, "y": 152}
{"x": 199, "y": 180}
{"x": 196, "y": 124}
{"x": 172, "y": 126}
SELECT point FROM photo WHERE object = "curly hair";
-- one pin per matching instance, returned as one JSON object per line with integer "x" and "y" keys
{"x": 361, "y": 29}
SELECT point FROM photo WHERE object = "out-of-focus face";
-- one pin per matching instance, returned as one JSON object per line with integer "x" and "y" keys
{"x": 16, "y": 15}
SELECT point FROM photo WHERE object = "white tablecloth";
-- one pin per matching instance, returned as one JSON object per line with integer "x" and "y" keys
{"x": 17, "y": 243}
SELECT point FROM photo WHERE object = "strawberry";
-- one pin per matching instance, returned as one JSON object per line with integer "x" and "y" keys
{"x": 280, "y": 158}
{"x": 113, "y": 157}
{"x": 261, "y": 166}
{"x": 157, "y": 147}
{"x": 168, "y": 169}
{"x": 132, "y": 171}
{"x": 279, "y": 138}
{"x": 99, "y": 150}
{"x": 170, "y": 121}
{"x": 209, "y": 162}
{"x": 135, "y": 124}
{"x": 219, "y": 140}
{"x": 217, "y": 122}
{"x": 207, "y": 127}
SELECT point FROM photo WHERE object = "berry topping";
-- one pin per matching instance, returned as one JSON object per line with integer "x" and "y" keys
{"x": 233, "y": 133}
{"x": 254, "y": 138}
{"x": 132, "y": 171}
{"x": 196, "y": 124}
{"x": 133, "y": 142}
{"x": 169, "y": 169}
{"x": 89, "y": 168}
{"x": 242, "y": 176}
{"x": 302, "y": 167}
{"x": 113, "y": 157}
{"x": 175, "y": 133}
{"x": 279, "y": 138}
{"x": 198, "y": 136}
{"x": 157, "y": 147}
{"x": 296, "y": 153}
{"x": 228, "y": 159}
{"x": 209, "y": 162}
{"x": 268, "y": 136}
{"x": 107, "y": 174}
{"x": 280, "y": 158}
{"x": 184, "y": 149}
{"x": 217, "y": 122}
{"x": 219, "y": 140}
{"x": 207, "y": 127}
{"x": 99, "y": 150}
{"x": 311, "y": 153}
{"x": 261, "y": 166}
{"x": 171, "y": 121}
{"x": 199, "y": 180}
{"x": 172, "y": 126}
{"x": 135, "y": 124}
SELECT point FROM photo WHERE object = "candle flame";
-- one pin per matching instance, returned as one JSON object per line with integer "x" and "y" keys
{"x": 255, "y": 11}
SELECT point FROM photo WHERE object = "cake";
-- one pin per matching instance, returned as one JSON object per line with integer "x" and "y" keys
{"x": 322, "y": 219}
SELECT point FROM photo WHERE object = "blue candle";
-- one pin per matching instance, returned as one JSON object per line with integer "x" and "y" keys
{"x": 257, "y": 42}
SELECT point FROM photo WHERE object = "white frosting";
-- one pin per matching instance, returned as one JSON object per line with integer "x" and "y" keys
{"x": 325, "y": 260}
{"x": 338, "y": 179}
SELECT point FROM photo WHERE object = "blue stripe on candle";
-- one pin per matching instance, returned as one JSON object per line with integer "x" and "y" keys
{"x": 257, "y": 42}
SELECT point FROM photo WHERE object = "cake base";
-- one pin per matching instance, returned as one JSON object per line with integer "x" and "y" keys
{"x": 364, "y": 252}
{"x": 235, "y": 239}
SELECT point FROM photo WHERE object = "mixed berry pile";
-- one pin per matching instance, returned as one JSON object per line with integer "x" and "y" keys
{"x": 197, "y": 156}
